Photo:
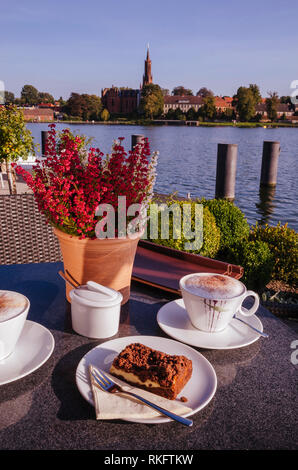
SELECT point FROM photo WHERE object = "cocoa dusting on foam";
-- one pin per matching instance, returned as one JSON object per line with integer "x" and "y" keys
{"x": 11, "y": 304}
{"x": 214, "y": 286}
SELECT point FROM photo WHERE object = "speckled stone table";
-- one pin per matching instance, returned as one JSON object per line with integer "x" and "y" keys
{"x": 255, "y": 405}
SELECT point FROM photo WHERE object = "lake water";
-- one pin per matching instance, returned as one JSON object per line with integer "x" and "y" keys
{"x": 187, "y": 163}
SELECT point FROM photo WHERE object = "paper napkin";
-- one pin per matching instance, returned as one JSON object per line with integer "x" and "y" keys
{"x": 121, "y": 406}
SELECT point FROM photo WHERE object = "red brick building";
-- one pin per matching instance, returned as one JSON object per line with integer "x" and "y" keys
{"x": 222, "y": 104}
{"x": 120, "y": 100}
{"x": 38, "y": 114}
{"x": 110, "y": 98}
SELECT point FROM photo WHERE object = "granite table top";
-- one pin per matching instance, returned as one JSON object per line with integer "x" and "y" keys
{"x": 254, "y": 407}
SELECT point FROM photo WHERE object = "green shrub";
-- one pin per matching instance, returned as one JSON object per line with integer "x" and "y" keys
{"x": 256, "y": 259}
{"x": 230, "y": 220}
{"x": 71, "y": 118}
{"x": 283, "y": 243}
{"x": 211, "y": 233}
{"x": 265, "y": 252}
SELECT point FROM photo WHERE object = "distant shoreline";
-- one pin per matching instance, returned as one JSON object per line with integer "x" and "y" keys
{"x": 172, "y": 123}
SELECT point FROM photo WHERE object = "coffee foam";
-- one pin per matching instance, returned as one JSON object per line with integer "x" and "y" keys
{"x": 11, "y": 304}
{"x": 213, "y": 286}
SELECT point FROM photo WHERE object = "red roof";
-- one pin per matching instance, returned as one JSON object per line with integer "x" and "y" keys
{"x": 228, "y": 99}
{"x": 38, "y": 111}
{"x": 46, "y": 105}
{"x": 220, "y": 102}
{"x": 281, "y": 107}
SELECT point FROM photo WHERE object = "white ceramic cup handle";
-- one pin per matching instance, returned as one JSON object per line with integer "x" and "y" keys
{"x": 248, "y": 312}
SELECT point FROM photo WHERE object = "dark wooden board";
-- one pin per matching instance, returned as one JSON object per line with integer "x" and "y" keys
{"x": 162, "y": 267}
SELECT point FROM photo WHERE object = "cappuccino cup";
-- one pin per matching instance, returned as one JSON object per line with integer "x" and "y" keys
{"x": 14, "y": 309}
{"x": 211, "y": 300}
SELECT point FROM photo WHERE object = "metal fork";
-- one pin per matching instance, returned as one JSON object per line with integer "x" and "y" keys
{"x": 109, "y": 386}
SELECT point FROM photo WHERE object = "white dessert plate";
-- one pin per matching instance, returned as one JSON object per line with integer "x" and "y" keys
{"x": 33, "y": 349}
{"x": 199, "y": 390}
{"x": 174, "y": 321}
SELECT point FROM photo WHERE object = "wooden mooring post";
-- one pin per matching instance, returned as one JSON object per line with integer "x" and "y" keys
{"x": 44, "y": 137}
{"x": 226, "y": 171}
{"x": 136, "y": 139}
{"x": 271, "y": 151}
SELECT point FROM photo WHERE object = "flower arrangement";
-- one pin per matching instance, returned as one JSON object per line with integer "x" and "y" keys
{"x": 71, "y": 181}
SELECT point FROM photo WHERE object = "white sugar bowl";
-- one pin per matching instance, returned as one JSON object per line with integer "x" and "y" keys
{"x": 95, "y": 310}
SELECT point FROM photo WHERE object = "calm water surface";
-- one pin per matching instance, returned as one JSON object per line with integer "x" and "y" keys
{"x": 187, "y": 163}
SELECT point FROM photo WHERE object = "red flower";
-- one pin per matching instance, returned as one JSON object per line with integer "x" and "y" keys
{"x": 69, "y": 183}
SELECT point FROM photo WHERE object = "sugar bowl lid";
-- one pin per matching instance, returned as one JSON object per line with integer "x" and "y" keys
{"x": 96, "y": 295}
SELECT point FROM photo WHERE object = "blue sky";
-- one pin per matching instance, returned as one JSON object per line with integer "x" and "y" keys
{"x": 84, "y": 46}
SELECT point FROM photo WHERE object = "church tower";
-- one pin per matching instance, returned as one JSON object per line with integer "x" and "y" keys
{"x": 147, "y": 77}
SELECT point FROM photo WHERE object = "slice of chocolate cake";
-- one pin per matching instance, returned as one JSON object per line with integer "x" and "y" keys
{"x": 152, "y": 370}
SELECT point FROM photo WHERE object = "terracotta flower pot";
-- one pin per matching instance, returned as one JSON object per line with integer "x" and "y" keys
{"x": 106, "y": 261}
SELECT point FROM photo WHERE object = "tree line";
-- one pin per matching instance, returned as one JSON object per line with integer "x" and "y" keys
{"x": 244, "y": 103}
{"x": 88, "y": 107}
{"x": 79, "y": 106}
{"x": 29, "y": 96}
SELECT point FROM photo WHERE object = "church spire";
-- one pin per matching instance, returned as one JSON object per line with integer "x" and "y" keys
{"x": 147, "y": 77}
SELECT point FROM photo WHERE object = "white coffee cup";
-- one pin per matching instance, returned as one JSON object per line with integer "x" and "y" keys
{"x": 95, "y": 313}
{"x": 211, "y": 300}
{"x": 14, "y": 308}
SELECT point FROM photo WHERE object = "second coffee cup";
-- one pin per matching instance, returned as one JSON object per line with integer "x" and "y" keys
{"x": 211, "y": 300}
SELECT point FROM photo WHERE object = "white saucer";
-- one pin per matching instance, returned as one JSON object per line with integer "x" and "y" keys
{"x": 173, "y": 320}
{"x": 199, "y": 390}
{"x": 33, "y": 349}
